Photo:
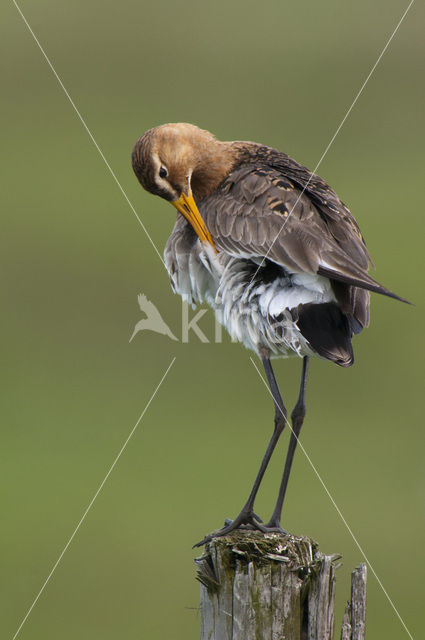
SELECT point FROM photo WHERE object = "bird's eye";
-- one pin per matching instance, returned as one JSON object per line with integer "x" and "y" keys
{"x": 163, "y": 173}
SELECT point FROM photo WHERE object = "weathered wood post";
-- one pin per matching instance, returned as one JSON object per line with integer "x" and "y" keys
{"x": 273, "y": 586}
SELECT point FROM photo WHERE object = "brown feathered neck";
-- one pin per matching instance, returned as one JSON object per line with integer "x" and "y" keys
{"x": 185, "y": 152}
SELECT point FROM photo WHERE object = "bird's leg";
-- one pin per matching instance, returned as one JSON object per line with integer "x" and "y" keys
{"x": 297, "y": 418}
{"x": 279, "y": 425}
{"x": 247, "y": 517}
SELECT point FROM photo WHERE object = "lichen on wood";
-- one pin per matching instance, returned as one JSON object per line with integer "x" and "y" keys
{"x": 256, "y": 586}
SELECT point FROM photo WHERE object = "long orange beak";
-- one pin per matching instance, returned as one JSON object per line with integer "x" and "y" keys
{"x": 186, "y": 205}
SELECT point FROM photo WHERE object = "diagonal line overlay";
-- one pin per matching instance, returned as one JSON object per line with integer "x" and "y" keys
{"x": 331, "y": 498}
{"x": 111, "y": 468}
{"x": 83, "y": 122}
{"x": 332, "y": 140}
{"x": 262, "y": 262}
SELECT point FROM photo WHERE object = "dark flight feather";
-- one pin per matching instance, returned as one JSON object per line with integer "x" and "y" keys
{"x": 260, "y": 210}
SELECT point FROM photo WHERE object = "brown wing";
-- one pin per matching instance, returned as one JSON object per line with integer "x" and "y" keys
{"x": 258, "y": 212}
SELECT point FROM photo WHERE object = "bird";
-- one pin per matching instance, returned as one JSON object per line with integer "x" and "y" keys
{"x": 272, "y": 249}
{"x": 153, "y": 321}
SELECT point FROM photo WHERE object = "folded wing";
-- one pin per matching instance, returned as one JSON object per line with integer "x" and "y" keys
{"x": 262, "y": 212}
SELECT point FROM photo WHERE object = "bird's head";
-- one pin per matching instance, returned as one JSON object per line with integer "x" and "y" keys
{"x": 182, "y": 164}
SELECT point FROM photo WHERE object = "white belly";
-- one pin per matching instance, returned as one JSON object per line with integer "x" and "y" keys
{"x": 254, "y": 310}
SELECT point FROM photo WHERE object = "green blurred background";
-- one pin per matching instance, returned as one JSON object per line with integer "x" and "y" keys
{"x": 74, "y": 259}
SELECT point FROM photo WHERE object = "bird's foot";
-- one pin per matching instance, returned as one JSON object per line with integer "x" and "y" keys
{"x": 274, "y": 526}
{"x": 245, "y": 520}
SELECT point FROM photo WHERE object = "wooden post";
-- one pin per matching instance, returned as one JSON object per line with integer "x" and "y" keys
{"x": 354, "y": 622}
{"x": 273, "y": 586}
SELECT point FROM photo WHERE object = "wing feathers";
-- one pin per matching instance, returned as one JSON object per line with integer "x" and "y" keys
{"x": 258, "y": 212}
{"x": 359, "y": 279}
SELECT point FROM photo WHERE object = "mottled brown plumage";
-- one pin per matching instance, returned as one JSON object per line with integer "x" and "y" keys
{"x": 271, "y": 248}
{"x": 251, "y": 198}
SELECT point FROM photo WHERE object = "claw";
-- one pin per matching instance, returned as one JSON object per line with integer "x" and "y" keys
{"x": 245, "y": 520}
{"x": 275, "y": 527}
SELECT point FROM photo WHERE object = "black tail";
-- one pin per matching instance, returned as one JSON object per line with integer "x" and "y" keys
{"x": 328, "y": 331}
